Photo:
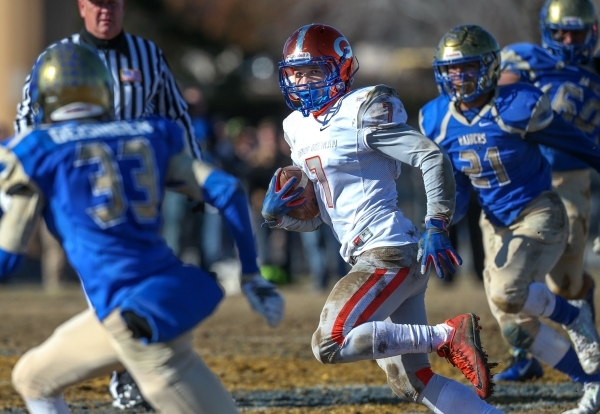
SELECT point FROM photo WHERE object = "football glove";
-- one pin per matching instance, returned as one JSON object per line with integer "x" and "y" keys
{"x": 277, "y": 202}
{"x": 435, "y": 247}
{"x": 264, "y": 298}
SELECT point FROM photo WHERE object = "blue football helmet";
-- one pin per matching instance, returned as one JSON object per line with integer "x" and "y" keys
{"x": 464, "y": 44}
{"x": 325, "y": 47}
{"x": 569, "y": 15}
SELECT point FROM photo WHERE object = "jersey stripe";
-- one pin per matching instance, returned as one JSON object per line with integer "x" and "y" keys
{"x": 382, "y": 296}
{"x": 337, "y": 333}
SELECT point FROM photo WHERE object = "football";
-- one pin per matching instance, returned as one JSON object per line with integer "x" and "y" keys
{"x": 310, "y": 209}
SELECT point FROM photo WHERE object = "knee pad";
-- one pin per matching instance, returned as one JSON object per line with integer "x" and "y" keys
{"x": 324, "y": 349}
{"x": 520, "y": 335}
{"x": 509, "y": 302}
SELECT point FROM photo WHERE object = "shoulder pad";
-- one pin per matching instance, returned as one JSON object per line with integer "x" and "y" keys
{"x": 528, "y": 57}
{"x": 523, "y": 107}
{"x": 381, "y": 106}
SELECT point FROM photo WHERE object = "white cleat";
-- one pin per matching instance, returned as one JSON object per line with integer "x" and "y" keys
{"x": 584, "y": 336}
{"x": 590, "y": 402}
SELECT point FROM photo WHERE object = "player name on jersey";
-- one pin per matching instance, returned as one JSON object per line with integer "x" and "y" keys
{"x": 472, "y": 139}
{"x": 73, "y": 132}
{"x": 318, "y": 146}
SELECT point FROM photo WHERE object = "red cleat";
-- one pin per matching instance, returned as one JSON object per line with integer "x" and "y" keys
{"x": 463, "y": 350}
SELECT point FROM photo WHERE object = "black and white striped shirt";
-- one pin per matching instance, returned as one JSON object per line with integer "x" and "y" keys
{"x": 143, "y": 83}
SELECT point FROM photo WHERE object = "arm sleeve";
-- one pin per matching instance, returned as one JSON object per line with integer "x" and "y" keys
{"x": 225, "y": 192}
{"x": 176, "y": 108}
{"x": 406, "y": 144}
{"x": 561, "y": 135}
{"x": 303, "y": 226}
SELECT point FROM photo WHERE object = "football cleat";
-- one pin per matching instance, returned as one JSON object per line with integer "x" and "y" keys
{"x": 126, "y": 393}
{"x": 521, "y": 368}
{"x": 463, "y": 350}
{"x": 584, "y": 337}
{"x": 590, "y": 402}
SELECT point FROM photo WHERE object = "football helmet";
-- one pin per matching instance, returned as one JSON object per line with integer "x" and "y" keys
{"x": 569, "y": 15}
{"x": 464, "y": 44}
{"x": 326, "y": 47}
{"x": 70, "y": 81}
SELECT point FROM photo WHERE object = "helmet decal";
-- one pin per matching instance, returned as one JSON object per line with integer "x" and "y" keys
{"x": 300, "y": 40}
{"x": 347, "y": 49}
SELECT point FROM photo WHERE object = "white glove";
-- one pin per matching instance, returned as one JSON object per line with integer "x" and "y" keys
{"x": 596, "y": 247}
{"x": 264, "y": 298}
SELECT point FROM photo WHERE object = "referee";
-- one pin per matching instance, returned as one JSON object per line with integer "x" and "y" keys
{"x": 143, "y": 82}
{"x": 143, "y": 85}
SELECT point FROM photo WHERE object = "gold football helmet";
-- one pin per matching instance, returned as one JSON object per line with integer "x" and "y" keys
{"x": 465, "y": 44}
{"x": 558, "y": 16}
{"x": 70, "y": 81}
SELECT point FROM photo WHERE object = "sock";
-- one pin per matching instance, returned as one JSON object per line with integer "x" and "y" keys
{"x": 564, "y": 313}
{"x": 412, "y": 339}
{"x": 542, "y": 302}
{"x": 52, "y": 405}
{"x": 445, "y": 396}
{"x": 570, "y": 365}
{"x": 549, "y": 346}
{"x": 392, "y": 339}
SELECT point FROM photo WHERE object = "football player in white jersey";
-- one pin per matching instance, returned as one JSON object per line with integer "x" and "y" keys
{"x": 351, "y": 143}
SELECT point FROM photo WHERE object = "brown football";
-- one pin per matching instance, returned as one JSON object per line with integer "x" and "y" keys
{"x": 310, "y": 209}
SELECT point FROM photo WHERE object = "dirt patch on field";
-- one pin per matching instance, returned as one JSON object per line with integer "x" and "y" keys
{"x": 241, "y": 348}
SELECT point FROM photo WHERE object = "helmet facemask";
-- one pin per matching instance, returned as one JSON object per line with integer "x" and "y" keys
{"x": 312, "y": 96}
{"x": 467, "y": 86}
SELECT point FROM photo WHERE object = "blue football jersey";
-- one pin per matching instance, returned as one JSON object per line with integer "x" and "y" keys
{"x": 573, "y": 90}
{"x": 103, "y": 184}
{"x": 490, "y": 153}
